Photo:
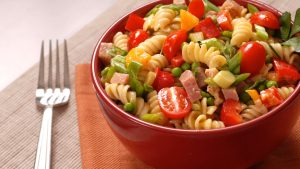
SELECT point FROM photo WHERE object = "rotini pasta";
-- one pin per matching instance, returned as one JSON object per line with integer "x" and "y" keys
{"x": 141, "y": 107}
{"x": 157, "y": 60}
{"x": 163, "y": 17}
{"x": 154, "y": 105}
{"x": 175, "y": 25}
{"x": 153, "y": 45}
{"x": 198, "y": 121}
{"x": 285, "y": 92}
{"x": 242, "y": 31}
{"x": 254, "y": 111}
{"x": 120, "y": 40}
{"x": 120, "y": 92}
{"x": 192, "y": 52}
{"x": 277, "y": 50}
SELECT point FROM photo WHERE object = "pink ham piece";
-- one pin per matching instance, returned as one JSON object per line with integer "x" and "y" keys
{"x": 230, "y": 94}
{"x": 120, "y": 78}
{"x": 200, "y": 77}
{"x": 190, "y": 85}
{"x": 103, "y": 53}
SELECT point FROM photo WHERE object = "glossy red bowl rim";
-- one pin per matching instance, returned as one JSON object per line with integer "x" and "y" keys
{"x": 222, "y": 131}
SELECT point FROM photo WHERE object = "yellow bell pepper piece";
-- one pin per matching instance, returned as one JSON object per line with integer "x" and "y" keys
{"x": 253, "y": 94}
{"x": 138, "y": 55}
{"x": 188, "y": 20}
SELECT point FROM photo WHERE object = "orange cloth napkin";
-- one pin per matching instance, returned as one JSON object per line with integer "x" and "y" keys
{"x": 101, "y": 149}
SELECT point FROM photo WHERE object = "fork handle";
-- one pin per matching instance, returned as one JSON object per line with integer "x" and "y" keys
{"x": 43, "y": 154}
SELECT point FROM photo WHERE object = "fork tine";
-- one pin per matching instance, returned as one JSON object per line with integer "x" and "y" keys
{"x": 66, "y": 66}
{"x": 57, "y": 80}
{"x": 50, "y": 65}
{"x": 41, "y": 80}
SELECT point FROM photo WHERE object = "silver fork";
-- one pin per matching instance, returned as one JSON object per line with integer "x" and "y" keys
{"x": 49, "y": 97}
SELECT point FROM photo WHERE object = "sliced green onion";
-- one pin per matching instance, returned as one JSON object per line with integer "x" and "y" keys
{"x": 240, "y": 78}
{"x": 252, "y": 9}
{"x": 129, "y": 107}
{"x": 213, "y": 42}
{"x": 234, "y": 63}
{"x": 261, "y": 87}
{"x": 152, "y": 118}
{"x": 205, "y": 94}
{"x": 244, "y": 97}
{"x": 227, "y": 34}
{"x": 261, "y": 32}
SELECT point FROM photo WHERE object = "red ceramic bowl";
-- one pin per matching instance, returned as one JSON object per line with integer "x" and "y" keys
{"x": 233, "y": 147}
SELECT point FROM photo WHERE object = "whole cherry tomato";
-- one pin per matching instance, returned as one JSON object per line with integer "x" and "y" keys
{"x": 253, "y": 57}
{"x": 136, "y": 37}
{"x": 173, "y": 102}
{"x": 173, "y": 43}
{"x": 266, "y": 19}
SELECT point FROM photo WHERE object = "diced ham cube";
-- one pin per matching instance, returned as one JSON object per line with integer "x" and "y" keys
{"x": 230, "y": 94}
{"x": 103, "y": 52}
{"x": 211, "y": 72}
{"x": 234, "y": 8}
{"x": 120, "y": 78}
{"x": 200, "y": 77}
{"x": 190, "y": 85}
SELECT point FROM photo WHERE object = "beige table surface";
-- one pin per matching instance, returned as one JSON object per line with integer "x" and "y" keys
{"x": 20, "y": 118}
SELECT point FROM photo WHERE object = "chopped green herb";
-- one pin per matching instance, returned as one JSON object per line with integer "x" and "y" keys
{"x": 285, "y": 28}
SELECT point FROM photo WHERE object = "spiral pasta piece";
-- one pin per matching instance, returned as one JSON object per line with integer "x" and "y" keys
{"x": 153, "y": 102}
{"x": 163, "y": 17}
{"x": 192, "y": 52}
{"x": 157, "y": 60}
{"x": 154, "y": 105}
{"x": 149, "y": 22}
{"x": 141, "y": 107}
{"x": 120, "y": 92}
{"x": 254, "y": 111}
{"x": 285, "y": 92}
{"x": 121, "y": 40}
{"x": 242, "y": 31}
{"x": 175, "y": 25}
{"x": 198, "y": 121}
{"x": 178, "y": 123}
{"x": 153, "y": 45}
{"x": 276, "y": 49}
{"x": 203, "y": 108}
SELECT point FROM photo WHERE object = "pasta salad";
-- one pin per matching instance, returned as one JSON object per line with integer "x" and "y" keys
{"x": 200, "y": 66}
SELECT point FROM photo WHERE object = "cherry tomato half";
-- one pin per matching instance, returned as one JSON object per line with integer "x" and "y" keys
{"x": 253, "y": 57}
{"x": 173, "y": 43}
{"x": 174, "y": 102}
{"x": 163, "y": 79}
{"x": 136, "y": 37}
{"x": 196, "y": 7}
{"x": 285, "y": 72}
{"x": 266, "y": 19}
{"x": 230, "y": 112}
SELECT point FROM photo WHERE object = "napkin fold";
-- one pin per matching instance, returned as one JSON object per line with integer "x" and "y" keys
{"x": 101, "y": 149}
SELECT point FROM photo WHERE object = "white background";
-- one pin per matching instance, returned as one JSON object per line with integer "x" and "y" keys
{"x": 25, "y": 23}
